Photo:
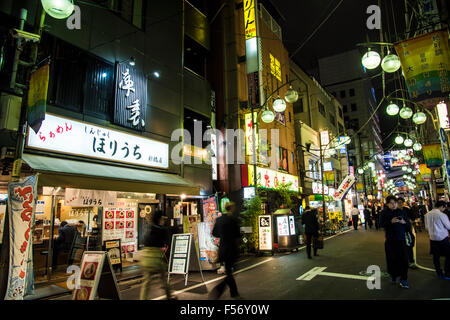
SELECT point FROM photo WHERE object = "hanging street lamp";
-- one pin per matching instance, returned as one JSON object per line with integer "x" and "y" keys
{"x": 419, "y": 118}
{"x": 267, "y": 116}
{"x": 371, "y": 59}
{"x": 58, "y": 9}
{"x": 404, "y": 168}
{"x": 406, "y": 112}
{"x": 408, "y": 142}
{"x": 279, "y": 105}
{"x": 399, "y": 139}
{"x": 390, "y": 63}
{"x": 392, "y": 109}
{"x": 291, "y": 95}
{"x": 417, "y": 146}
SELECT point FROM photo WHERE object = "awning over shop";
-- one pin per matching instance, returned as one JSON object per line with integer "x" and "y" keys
{"x": 318, "y": 197}
{"x": 55, "y": 172}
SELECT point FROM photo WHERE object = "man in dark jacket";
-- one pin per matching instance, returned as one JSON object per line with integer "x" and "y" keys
{"x": 228, "y": 231}
{"x": 395, "y": 223}
{"x": 63, "y": 243}
{"x": 310, "y": 220}
{"x": 411, "y": 239}
{"x": 367, "y": 218}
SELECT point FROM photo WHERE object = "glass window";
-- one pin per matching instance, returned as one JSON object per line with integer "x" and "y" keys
{"x": 353, "y": 106}
{"x": 352, "y": 92}
{"x": 298, "y": 106}
{"x": 342, "y": 93}
{"x": 341, "y": 114}
{"x": 345, "y": 108}
{"x": 321, "y": 108}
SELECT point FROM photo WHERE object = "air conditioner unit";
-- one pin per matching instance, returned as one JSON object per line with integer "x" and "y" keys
{"x": 9, "y": 111}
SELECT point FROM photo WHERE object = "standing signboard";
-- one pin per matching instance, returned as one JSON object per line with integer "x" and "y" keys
{"x": 181, "y": 253}
{"x": 113, "y": 248}
{"x": 96, "y": 276}
{"x": 22, "y": 197}
{"x": 265, "y": 233}
{"x": 210, "y": 214}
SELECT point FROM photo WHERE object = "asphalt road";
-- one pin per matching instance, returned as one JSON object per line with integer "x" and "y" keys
{"x": 348, "y": 254}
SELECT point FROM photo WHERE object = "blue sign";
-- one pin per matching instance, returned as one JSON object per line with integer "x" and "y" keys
{"x": 443, "y": 135}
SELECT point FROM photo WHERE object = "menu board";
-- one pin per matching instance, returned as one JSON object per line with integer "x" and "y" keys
{"x": 180, "y": 253}
{"x": 283, "y": 226}
{"x": 112, "y": 247}
{"x": 121, "y": 223}
{"x": 91, "y": 268}
{"x": 265, "y": 232}
{"x": 2, "y": 220}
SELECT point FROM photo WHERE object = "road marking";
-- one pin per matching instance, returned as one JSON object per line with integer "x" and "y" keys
{"x": 213, "y": 280}
{"x": 319, "y": 271}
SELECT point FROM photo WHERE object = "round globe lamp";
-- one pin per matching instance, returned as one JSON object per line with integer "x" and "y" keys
{"x": 390, "y": 63}
{"x": 392, "y": 109}
{"x": 267, "y": 116}
{"x": 58, "y": 9}
{"x": 417, "y": 146}
{"x": 419, "y": 118}
{"x": 279, "y": 105}
{"x": 406, "y": 112}
{"x": 371, "y": 59}
{"x": 399, "y": 140}
{"x": 291, "y": 95}
{"x": 408, "y": 142}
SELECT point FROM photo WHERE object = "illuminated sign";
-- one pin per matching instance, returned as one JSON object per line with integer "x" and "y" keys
{"x": 324, "y": 138}
{"x": 68, "y": 136}
{"x": 250, "y": 19}
{"x": 317, "y": 188}
{"x": 443, "y": 115}
{"x": 275, "y": 67}
{"x": 268, "y": 178}
{"x": 327, "y": 166}
{"x": 265, "y": 232}
{"x": 249, "y": 192}
{"x": 249, "y": 145}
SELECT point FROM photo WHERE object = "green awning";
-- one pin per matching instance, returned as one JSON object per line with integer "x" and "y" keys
{"x": 56, "y": 172}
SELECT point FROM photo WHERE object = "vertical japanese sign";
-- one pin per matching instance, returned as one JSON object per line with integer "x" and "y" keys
{"x": 130, "y": 97}
{"x": 2, "y": 221}
{"x": 37, "y": 97}
{"x": 250, "y": 146}
{"x": 250, "y": 19}
{"x": 210, "y": 214}
{"x": 265, "y": 232}
{"x": 344, "y": 187}
{"x": 21, "y": 205}
{"x": 214, "y": 156}
{"x": 425, "y": 63}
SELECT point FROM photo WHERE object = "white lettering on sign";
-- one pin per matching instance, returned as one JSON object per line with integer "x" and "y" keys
{"x": 126, "y": 83}
{"x": 135, "y": 109}
{"x": 75, "y": 137}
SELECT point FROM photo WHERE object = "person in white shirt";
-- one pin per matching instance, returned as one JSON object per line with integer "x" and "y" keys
{"x": 355, "y": 217}
{"x": 437, "y": 224}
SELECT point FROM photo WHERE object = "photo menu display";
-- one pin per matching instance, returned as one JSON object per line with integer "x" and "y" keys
{"x": 121, "y": 223}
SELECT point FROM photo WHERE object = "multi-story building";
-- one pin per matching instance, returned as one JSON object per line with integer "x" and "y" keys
{"x": 119, "y": 87}
{"x": 344, "y": 76}
{"x": 230, "y": 66}
{"x": 317, "y": 113}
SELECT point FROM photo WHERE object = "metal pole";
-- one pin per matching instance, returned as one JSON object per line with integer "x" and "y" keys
{"x": 322, "y": 181}
{"x": 50, "y": 240}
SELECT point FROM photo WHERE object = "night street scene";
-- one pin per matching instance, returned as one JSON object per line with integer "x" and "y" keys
{"x": 225, "y": 158}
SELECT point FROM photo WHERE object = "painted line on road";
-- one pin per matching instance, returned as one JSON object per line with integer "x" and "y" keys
{"x": 425, "y": 268}
{"x": 319, "y": 271}
{"x": 214, "y": 280}
{"x": 311, "y": 273}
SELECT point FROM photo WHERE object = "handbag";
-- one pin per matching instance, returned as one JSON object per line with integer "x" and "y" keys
{"x": 151, "y": 259}
{"x": 318, "y": 242}
{"x": 350, "y": 223}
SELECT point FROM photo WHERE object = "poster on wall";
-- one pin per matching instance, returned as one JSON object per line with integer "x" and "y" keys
{"x": 89, "y": 198}
{"x": 265, "y": 232}
{"x": 210, "y": 214}
{"x": 283, "y": 226}
{"x": 120, "y": 222}
{"x": 21, "y": 205}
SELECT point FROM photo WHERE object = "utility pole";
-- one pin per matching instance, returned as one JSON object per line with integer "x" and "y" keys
{"x": 322, "y": 180}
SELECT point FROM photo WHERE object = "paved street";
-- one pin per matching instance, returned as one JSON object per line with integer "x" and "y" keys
{"x": 275, "y": 277}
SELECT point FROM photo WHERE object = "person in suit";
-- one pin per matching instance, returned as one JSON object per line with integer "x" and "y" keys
{"x": 63, "y": 243}
{"x": 227, "y": 229}
{"x": 311, "y": 223}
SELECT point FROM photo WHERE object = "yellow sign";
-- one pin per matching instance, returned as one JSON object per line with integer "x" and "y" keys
{"x": 249, "y": 136}
{"x": 37, "y": 97}
{"x": 425, "y": 63}
{"x": 196, "y": 152}
{"x": 275, "y": 67}
{"x": 250, "y": 19}
{"x": 432, "y": 154}
{"x": 268, "y": 178}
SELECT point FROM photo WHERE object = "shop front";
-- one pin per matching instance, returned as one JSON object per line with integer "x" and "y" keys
{"x": 104, "y": 182}
{"x": 333, "y": 220}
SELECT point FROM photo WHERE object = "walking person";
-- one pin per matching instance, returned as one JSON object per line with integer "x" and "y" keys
{"x": 395, "y": 223}
{"x": 438, "y": 225}
{"x": 311, "y": 223}
{"x": 355, "y": 217}
{"x": 227, "y": 230}
{"x": 376, "y": 217}
{"x": 367, "y": 218}
{"x": 152, "y": 260}
{"x": 410, "y": 237}
{"x": 64, "y": 241}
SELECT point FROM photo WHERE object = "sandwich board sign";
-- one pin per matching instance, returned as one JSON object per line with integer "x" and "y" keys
{"x": 96, "y": 277}
{"x": 182, "y": 253}
{"x": 113, "y": 248}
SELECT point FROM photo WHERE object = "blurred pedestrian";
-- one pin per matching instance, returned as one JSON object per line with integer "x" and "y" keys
{"x": 376, "y": 217}
{"x": 395, "y": 223}
{"x": 355, "y": 217}
{"x": 438, "y": 225}
{"x": 447, "y": 210}
{"x": 152, "y": 257}
{"x": 367, "y": 218}
{"x": 64, "y": 241}
{"x": 410, "y": 237}
{"x": 227, "y": 230}
{"x": 311, "y": 221}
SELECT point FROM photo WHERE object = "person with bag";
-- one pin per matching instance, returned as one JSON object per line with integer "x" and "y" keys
{"x": 152, "y": 259}
{"x": 227, "y": 229}
{"x": 395, "y": 223}
{"x": 311, "y": 223}
{"x": 410, "y": 238}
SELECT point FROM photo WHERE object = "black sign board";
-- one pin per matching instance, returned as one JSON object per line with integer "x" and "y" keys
{"x": 130, "y": 103}
{"x": 114, "y": 250}
{"x": 182, "y": 252}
